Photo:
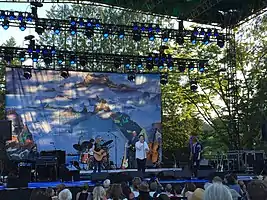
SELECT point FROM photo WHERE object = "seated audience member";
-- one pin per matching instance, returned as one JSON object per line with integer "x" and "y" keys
{"x": 106, "y": 184}
{"x": 38, "y": 194}
{"x": 257, "y": 190}
{"x": 163, "y": 197}
{"x": 144, "y": 191}
{"x": 153, "y": 189}
{"x": 126, "y": 190}
{"x": 84, "y": 194}
{"x": 136, "y": 182}
{"x": 216, "y": 179}
{"x": 50, "y": 193}
{"x": 168, "y": 190}
{"x": 176, "y": 192}
{"x": 231, "y": 182}
{"x": 217, "y": 192}
{"x": 188, "y": 189}
{"x": 65, "y": 195}
{"x": 198, "y": 194}
{"x": 59, "y": 188}
{"x": 115, "y": 192}
{"x": 99, "y": 193}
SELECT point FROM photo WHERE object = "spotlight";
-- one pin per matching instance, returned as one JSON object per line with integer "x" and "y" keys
{"x": 48, "y": 60}
{"x": 127, "y": 63}
{"x": 5, "y": 24}
{"x": 209, "y": 32}
{"x": 137, "y": 36}
{"x": 45, "y": 51}
{"x": 202, "y": 32}
{"x": 73, "y": 30}
{"x": 151, "y": 36}
{"x": 38, "y": 49}
{"x": 170, "y": 65}
{"x": 193, "y": 39}
{"x": 139, "y": 64}
{"x": 201, "y": 67}
{"x": 64, "y": 73}
{"x": 72, "y": 59}
{"x": 181, "y": 67}
{"x": 131, "y": 77}
{"x": 60, "y": 58}
{"x": 206, "y": 39}
{"x": 53, "y": 50}
{"x": 220, "y": 41}
{"x": 165, "y": 36}
{"x": 22, "y": 56}
{"x": 160, "y": 64}
{"x": 82, "y": 60}
{"x": 81, "y": 22}
{"x": 180, "y": 39}
{"x": 117, "y": 63}
{"x": 121, "y": 33}
{"x": 150, "y": 28}
{"x": 97, "y": 24}
{"x": 157, "y": 28}
{"x": 35, "y": 57}
{"x": 193, "y": 86}
{"x": 72, "y": 21}
{"x": 29, "y": 17}
{"x": 191, "y": 66}
{"x": 2, "y": 15}
{"x": 57, "y": 29}
{"x": 163, "y": 79}
{"x": 105, "y": 33}
{"x": 195, "y": 32}
{"x": 89, "y": 33}
{"x": 22, "y": 26}
{"x": 216, "y": 34}
{"x": 20, "y": 16}
{"x": 27, "y": 74}
{"x": 88, "y": 23}
{"x": 12, "y": 16}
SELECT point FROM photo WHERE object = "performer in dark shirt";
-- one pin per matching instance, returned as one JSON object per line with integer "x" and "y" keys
{"x": 195, "y": 155}
{"x": 131, "y": 150}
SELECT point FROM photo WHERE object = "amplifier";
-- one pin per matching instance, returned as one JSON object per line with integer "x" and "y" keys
{"x": 60, "y": 155}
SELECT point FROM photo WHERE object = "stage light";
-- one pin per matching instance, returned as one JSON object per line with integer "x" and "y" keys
{"x": 193, "y": 86}
{"x": 73, "y": 30}
{"x": 48, "y": 60}
{"x": 163, "y": 79}
{"x": 170, "y": 65}
{"x": 106, "y": 33}
{"x": 35, "y": 57}
{"x": 72, "y": 21}
{"x": 195, "y": 32}
{"x": 139, "y": 64}
{"x": 2, "y": 15}
{"x": 27, "y": 74}
{"x": 193, "y": 39}
{"x": 53, "y": 50}
{"x": 117, "y": 63}
{"x": 127, "y": 63}
{"x": 160, "y": 64}
{"x": 97, "y": 23}
{"x": 31, "y": 46}
{"x": 121, "y": 33}
{"x": 29, "y": 17}
{"x": 89, "y": 23}
{"x": 216, "y": 34}
{"x": 83, "y": 61}
{"x": 57, "y": 29}
{"x": 181, "y": 67}
{"x": 202, "y": 31}
{"x": 157, "y": 28}
{"x": 149, "y": 65}
{"x": 135, "y": 27}
{"x": 64, "y": 73}
{"x": 151, "y": 36}
{"x": 5, "y": 24}
{"x": 45, "y": 51}
{"x": 60, "y": 58}
{"x": 137, "y": 36}
{"x": 201, "y": 67}
{"x": 180, "y": 39}
{"x": 131, "y": 77}
{"x": 22, "y": 26}
{"x": 206, "y": 39}
{"x": 220, "y": 41}
{"x": 191, "y": 66}
{"x": 209, "y": 32}
{"x": 20, "y": 16}
{"x": 165, "y": 36}
{"x": 12, "y": 16}
{"x": 22, "y": 56}
{"x": 38, "y": 49}
{"x": 89, "y": 32}
{"x": 72, "y": 59}
{"x": 81, "y": 22}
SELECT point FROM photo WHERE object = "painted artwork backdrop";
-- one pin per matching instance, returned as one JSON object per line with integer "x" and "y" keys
{"x": 51, "y": 112}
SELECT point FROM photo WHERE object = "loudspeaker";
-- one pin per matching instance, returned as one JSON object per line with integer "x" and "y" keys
{"x": 205, "y": 173}
{"x": 264, "y": 131}
{"x": 16, "y": 182}
{"x": 134, "y": 174}
{"x": 69, "y": 173}
{"x": 99, "y": 176}
{"x": 120, "y": 177}
{"x": 166, "y": 175}
{"x": 185, "y": 173}
{"x": 25, "y": 173}
{"x": 6, "y": 130}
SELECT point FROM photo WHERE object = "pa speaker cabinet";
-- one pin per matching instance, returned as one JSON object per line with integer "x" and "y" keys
{"x": 99, "y": 176}
{"x": 5, "y": 130}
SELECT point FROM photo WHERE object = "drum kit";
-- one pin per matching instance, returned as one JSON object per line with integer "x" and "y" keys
{"x": 87, "y": 156}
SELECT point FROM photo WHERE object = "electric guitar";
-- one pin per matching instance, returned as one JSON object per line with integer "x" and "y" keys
{"x": 125, "y": 159}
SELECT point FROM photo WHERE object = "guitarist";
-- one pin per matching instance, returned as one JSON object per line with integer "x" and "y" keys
{"x": 96, "y": 148}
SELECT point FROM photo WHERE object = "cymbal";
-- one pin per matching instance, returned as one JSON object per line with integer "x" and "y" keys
{"x": 107, "y": 143}
{"x": 77, "y": 147}
{"x": 86, "y": 145}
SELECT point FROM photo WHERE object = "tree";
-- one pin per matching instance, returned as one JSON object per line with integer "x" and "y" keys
{"x": 11, "y": 42}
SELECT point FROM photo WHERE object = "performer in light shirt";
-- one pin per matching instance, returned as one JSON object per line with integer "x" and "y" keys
{"x": 140, "y": 154}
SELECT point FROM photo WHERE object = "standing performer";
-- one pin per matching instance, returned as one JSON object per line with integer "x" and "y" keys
{"x": 97, "y": 153}
{"x": 140, "y": 154}
{"x": 131, "y": 151}
{"x": 195, "y": 155}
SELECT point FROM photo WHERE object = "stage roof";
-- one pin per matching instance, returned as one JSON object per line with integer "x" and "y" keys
{"x": 201, "y": 11}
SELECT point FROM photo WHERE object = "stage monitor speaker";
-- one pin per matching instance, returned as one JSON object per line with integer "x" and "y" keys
{"x": 264, "y": 131}
{"x": 219, "y": 174}
{"x": 166, "y": 175}
{"x": 6, "y": 130}
{"x": 99, "y": 176}
{"x": 185, "y": 173}
{"x": 120, "y": 177}
{"x": 69, "y": 173}
{"x": 16, "y": 182}
{"x": 205, "y": 174}
{"x": 134, "y": 174}
{"x": 25, "y": 173}
{"x": 61, "y": 155}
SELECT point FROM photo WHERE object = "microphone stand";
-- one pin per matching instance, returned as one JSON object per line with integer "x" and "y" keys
{"x": 116, "y": 149}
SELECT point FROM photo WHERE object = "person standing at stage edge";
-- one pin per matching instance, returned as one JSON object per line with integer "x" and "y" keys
{"x": 140, "y": 154}
{"x": 195, "y": 155}
{"x": 96, "y": 149}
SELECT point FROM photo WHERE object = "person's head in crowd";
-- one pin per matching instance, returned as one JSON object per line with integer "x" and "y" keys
{"x": 144, "y": 191}
{"x": 126, "y": 190}
{"x": 231, "y": 181}
{"x": 217, "y": 179}
{"x": 136, "y": 182}
{"x": 217, "y": 192}
{"x": 168, "y": 189}
{"x": 85, "y": 187}
{"x": 177, "y": 190}
{"x": 115, "y": 192}
{"x": 99, "y": 193}
{"x": 257, "y": 190}
{"x": 106, "y": 184}
{"x": 65, "y": 195}
{"x": 49, "y": 192}
{"x": 38, "y": 194}
{"x": 153, "y": 186}
{"x": 198, "y": 194}
{"x": 242, "y": 185}
{"x": 189, "y": 188}
{"x": 59, "y": 188}
{"x": 163, "y": 197}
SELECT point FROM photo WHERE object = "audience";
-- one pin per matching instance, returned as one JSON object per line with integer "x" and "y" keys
{"x": 136, "y": 182}
{"x": 189, "y": 188}
{"x": 144, "y": 191}
{"x": 106, "y": 184}
{"x": 126, "y": 190}
{"x": 217, "y": 192}
{"x": 198, "y": 194}
{"x": 99, "y": 193}
{"x": 84, "y": 194}
{"x": 257, "y": 190}
{"x": 231, "y": 182}
{"x": 153, "y": 189}
{"x": 115, "y": 192}
{"x": 65, "y": 195}
{"x": 168, "y": 190}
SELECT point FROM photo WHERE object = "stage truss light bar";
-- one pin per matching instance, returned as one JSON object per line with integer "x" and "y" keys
{"x": 90, "y": 26}
{"x": 96, "y": 62}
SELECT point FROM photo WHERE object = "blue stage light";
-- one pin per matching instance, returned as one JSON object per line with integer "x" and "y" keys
{"x": 73, "y": 30}
{"x": 161, "y": 65}
{"x": 5, "y": 24}
{"x": 60, "y": 59}
{"x": 143, "y": 27}
{"x": 22, "y": 56}
{"x": 20, "y": 16}
{"x": 97, "y": 23}
{"x": 206, "y": 40}
{"x": 201, "y": 67}
{"x": 53, "y": 50}
{"x": 72, "y": 59}
{"x": 121, "y": 33}
{"x": 35, "y": 57}
{"x": 202, "y": 31}
{"x": 150, "y": 28}
{"x": 195, "y": 32}
{"x": 12, "y": 16}
{"x": 151, "y": 36}
{"x": 38, "y": 49}
{"x": 72, "y": 21}
{"x": 139, "y": 64}
{"x": 2, "y": 15}
{"x": 127, "y": 63}
{"x": 105, "y": 33}
{"x": 81, "y": 22}
{"x": 191, "y": 66}
{"x": 170, "y": 65}
{"x": 157, "y": 28}
{"x": 165, "y": 36}
{"x": 135, "y": 27}
{"x": 216, "y": 34}
{"x": 22, "y": 26}
{"x": 29, "y": 17}
{"x": 193, "y": 39}
{"x": 209, "y": 32}
{"x": 56, "y": 29}
{"x": 89, "y": 23}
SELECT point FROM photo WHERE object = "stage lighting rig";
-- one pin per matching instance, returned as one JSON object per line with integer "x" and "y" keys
{"x": 27, "y": 74}
{"x": 164, "y": 78}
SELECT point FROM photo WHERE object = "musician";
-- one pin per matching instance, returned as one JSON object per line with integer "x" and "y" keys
{"x": 96, "y": 149}
{"x": 140, "y": 154}
{"x": 33, "y": 154}
{"x": 195, "y": 155}
{"x": 131, "y": 150}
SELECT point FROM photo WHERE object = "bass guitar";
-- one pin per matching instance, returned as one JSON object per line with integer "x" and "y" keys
{"x": 99, "y": 155}
{"x": 125, "y": 159}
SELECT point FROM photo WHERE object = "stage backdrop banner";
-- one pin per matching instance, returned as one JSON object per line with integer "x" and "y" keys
{"x": 54, "y": 113}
